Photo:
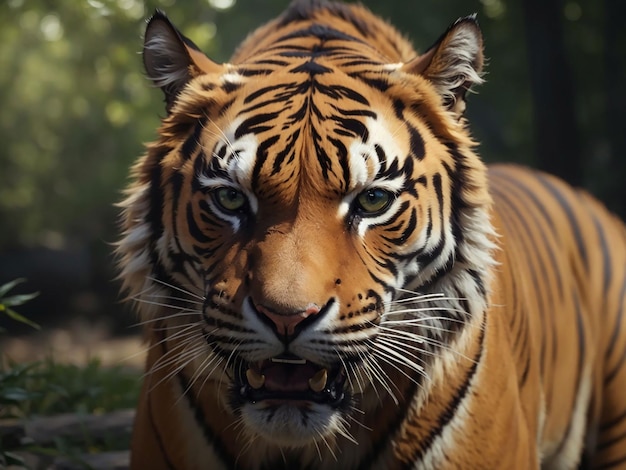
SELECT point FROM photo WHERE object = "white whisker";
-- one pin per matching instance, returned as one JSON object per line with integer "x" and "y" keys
{"x": 180, "y": 289}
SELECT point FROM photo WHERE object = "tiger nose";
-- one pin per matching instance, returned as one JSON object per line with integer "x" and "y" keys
{"x": 287, "y": 322}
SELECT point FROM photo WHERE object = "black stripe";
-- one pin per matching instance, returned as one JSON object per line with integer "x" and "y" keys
{"x": 377, "y": 448}
{"x": 611, "y": 442}
{"x": 155, "y": 213}
{"x": 212, "y": 440}
{"x": 580, "y": 327}
{"x": 160, "y": 333}
{"x": 323, "y": 159}
{"x": 254, "y": 124}
{"x": 613, "y": 463}
{"x": 567, "y": 208}
{"x": 191, "y": 143}
{"x": 618, "y": 322}
{"x": 613, "y": 423}
{"x": 261, "y": 156}
{"x": 377, "y": 83}
{"x": 353, "y": 127}
{"x": 543, "y": 272}
{"x": 514, "y": 218}
{"x": 312, "y": 68}
{"x": 177, "y": 258}
{"x": 288, "y": 150}
{"x": 407, "y": 232}
{"x": 611, "y": 375}
{"x": 418, "y": 150}
{"x": 323, "y": 32}
{"x": 422, "y": 448}
{"x": 253, "y": 96}
{"x": 546, "y": 217}
{"x": 194, "y": 229}
{"x": 337, "y": 92}
{"x": 607, "y": 260}
{"x": 342, "y": 157}
{"x": 530, "y": 194}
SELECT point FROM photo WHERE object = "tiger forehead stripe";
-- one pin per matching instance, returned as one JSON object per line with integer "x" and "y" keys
{"x": 369, "y": 160}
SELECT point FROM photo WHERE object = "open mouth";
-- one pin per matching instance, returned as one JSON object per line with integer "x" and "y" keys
{"x": 289, "y": 378}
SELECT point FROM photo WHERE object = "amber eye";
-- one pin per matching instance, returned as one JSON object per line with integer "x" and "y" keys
{"x": 373, "y": 201}
{"x": 230, "y": 199}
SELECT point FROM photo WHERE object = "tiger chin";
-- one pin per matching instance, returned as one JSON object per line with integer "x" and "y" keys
{"x": 330, "y": 278}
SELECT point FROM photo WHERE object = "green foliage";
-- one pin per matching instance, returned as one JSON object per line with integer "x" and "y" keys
{"x": 47, "y": 388}
{"x": 12, "y": 301}
{"x": 76, "y": 110}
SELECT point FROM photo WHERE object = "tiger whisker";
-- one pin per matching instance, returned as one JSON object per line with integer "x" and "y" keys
{"x": 200, "y": 370}
{"x": 190, "y": 337}
{"x": 342, "y": 430}
{"x": 230, "y": 356}
{"x": 393, "y": 345}
{"x": 174, "y": 356}
{"x": 385, "y": 328}
{"x": 161, "y": 304}
{"x": 325, "y": 441}
{"x": 180, "y": 289}
{"x": 317, "y": 447}
{"x": 403, "y": 335}
{"x": 393, "y": 362}
{"x": 196, "y": 375}
{"x": 352, "y": 418}
{"x": 177, "y": 335}
{"x": 382, "y": 378}
{"x": 182, "y": 314}
{"x": 419, "y": 321}
{"x": 172, "y": 297}
{"x": 194, "y": 354}
{"x": 420, "y": 298}
{"x": 425, "y": 309}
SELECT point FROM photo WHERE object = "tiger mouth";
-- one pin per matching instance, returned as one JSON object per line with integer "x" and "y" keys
{"x": 289, "y": 379}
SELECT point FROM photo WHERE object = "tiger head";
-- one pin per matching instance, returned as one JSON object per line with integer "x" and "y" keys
{"x": 310, "y": 229}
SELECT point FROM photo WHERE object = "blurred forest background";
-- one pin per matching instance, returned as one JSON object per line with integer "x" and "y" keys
{"x": 76, "y": 109}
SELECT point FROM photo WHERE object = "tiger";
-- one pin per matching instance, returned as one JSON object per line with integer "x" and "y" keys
{"x": 329, "y": 277}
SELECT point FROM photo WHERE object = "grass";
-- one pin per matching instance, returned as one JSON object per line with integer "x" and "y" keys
{"x": 48, "y": 388}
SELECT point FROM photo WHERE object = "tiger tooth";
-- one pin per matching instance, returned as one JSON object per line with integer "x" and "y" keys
{"x": 255, "y": 379}
{"x": 318, "y": 381}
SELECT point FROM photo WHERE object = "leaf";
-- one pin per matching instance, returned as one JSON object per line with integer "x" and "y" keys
{"x": 13, "y": 459}
{"x": 22, "y": 319}
{"x": 18, "y": 299}
{"x": 16, "y": 394}
{"x": 10, "y": 285}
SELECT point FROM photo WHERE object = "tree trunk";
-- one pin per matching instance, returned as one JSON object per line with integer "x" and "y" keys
{"x": 557, "y": 148}
{"x": 615, "y": 73}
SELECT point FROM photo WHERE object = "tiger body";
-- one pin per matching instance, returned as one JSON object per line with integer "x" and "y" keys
{"x": 331, "y": 278}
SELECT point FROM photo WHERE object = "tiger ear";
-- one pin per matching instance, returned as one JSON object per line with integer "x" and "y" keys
{"x": 454, "y": 63}
{"x": 172, "y": 60}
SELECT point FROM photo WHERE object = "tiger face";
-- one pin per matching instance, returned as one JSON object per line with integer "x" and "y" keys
{"x": 299, "y": 215}
{"x": 311, "y": 232}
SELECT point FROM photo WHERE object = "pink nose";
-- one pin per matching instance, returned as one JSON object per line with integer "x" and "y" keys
{"x": 286, "y": 322}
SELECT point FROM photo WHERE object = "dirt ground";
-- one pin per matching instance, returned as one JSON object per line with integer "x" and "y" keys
{"x": 76, "y": 344}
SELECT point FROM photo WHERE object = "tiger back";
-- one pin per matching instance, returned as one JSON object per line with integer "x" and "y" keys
{"x": 330, "y": 278}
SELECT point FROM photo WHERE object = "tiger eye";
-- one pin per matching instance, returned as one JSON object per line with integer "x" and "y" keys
{"x": 373, "y": 201}
{"x": 230, "y": 199}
